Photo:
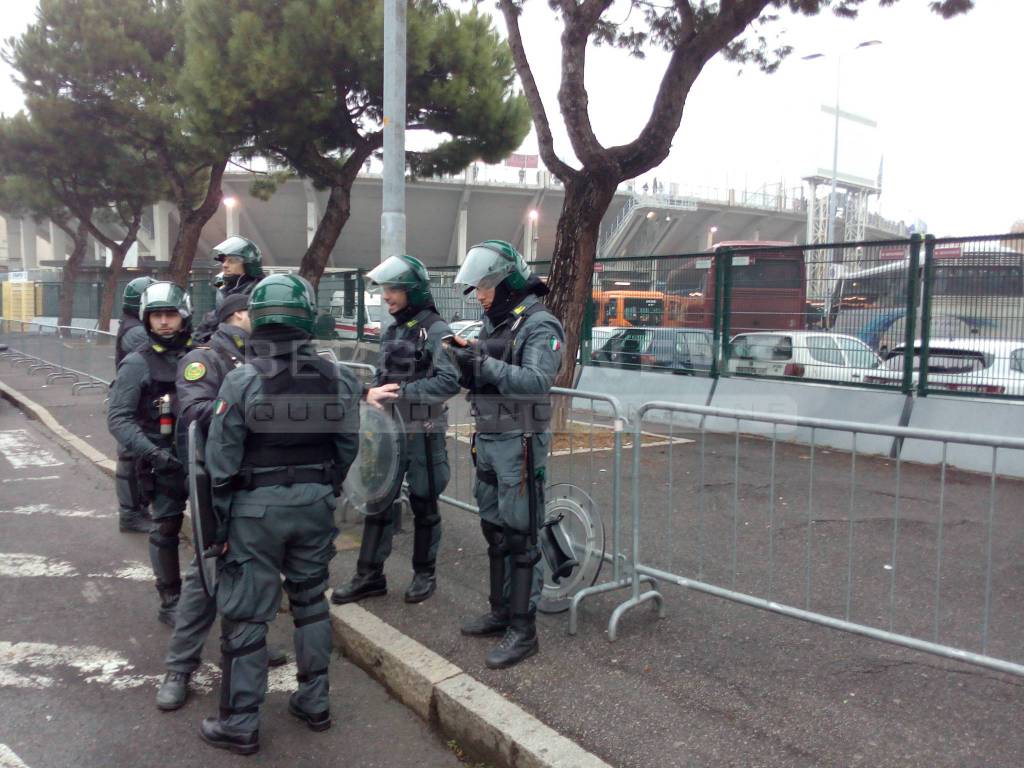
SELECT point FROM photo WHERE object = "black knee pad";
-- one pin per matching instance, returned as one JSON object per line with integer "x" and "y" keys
{"x": 524, "y": 554}
{"x": 423, "y": 512}
{"x": 495, "y": 536}
{"x": 165, "y": 532}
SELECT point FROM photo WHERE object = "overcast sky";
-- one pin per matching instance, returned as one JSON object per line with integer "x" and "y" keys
{"x": 943, "y": 94}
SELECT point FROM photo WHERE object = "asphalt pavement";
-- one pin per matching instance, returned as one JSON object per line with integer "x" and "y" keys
{"x": 81, "y": 651}
{"x": 719, "y": 684}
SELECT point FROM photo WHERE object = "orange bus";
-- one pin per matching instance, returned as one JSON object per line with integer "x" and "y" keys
{"x": 649, "y": 309}
{"x": 769, "y": 288}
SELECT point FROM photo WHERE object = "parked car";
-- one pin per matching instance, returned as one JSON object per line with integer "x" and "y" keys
{"x": 679, "y": 350}
{"x": 980, "y": 366}
{"x": 467, "y": 329}
{"x": 802, "y": 354}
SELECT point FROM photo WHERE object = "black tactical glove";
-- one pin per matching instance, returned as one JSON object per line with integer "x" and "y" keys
{"x": 465, "y": 357}
{"x": 162, "y": 461}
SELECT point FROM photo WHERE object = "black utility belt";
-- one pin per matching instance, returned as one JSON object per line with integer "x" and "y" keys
{"x": 248, "y": 478}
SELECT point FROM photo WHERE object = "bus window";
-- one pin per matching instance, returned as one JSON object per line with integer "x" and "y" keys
{"x": 957, "y": 280}
{"x": 765, "y": 273}
{"x": 610, "y": 311}
{"x": 643, "y": 311}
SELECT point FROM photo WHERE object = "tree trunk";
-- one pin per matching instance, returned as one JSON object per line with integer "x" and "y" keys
{"x": 70, "y": 276}
{"x": 191, "y": 225}
{"x": 587, "y": 197}
{"x": 110, "y": 285}
{"x": 185, "y": 245}
{"x": 339, "y": 208}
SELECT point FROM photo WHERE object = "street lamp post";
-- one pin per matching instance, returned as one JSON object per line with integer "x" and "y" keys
{"x": 231, "y": 215}
{"x": 832, "y": 201}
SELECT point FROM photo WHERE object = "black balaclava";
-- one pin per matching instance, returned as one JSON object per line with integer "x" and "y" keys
{"x": 506, "y": 299}
{"x": 177, "y": 341}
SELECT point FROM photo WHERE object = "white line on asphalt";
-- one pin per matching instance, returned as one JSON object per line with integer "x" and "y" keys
{"x": 22, "y": 451}
{"x": 35, "y": 666}
{"x": 23, "y": 480}
{"x": 48, "y": 509}
{"x": 22, "y": 564}
{"x": 8, "y": 759}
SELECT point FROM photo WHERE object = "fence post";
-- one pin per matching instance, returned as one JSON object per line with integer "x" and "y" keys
{"x": 587, "y": 331}
{"x": 721, "y": 262}
{"x": 911, "y": 314}
{"x": 360, "y": 306}
{"x": 927, "y": 289}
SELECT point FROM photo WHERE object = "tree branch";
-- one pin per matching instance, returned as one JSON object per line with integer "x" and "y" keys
{"x": 545, "y": 141}
{"x": 572, "y": 93}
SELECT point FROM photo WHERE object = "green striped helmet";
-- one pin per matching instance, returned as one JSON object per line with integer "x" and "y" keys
{"x": 283, "y": 299}
{"x": 132, "y": 299}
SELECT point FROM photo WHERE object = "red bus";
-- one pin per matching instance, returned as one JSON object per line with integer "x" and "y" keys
{"x": 769, "y": 288}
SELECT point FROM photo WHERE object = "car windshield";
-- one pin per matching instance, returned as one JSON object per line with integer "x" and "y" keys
{"x": 943, "y": 360}
{"x": 632, "y": 341}
{"x": 763, "y": 347}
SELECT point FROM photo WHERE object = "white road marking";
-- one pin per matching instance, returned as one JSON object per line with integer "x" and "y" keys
{"x": 23, "y": 480}
{"x": 48, "y": 509}
{"x": 8, "y": 759}
{"x": 24, "y": 565}
{"x": 20, "y": 564}
{"x": 22, "y": 451}
{"x": 36, "y": 666}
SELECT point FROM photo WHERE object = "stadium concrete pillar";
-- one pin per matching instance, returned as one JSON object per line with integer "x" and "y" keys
{"x": 58, "y": 243}
{"x": 29, "y": 259}
{"x": 162, "y": 231}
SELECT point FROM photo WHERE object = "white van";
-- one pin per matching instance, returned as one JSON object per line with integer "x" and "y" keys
{"x": 346, "y": 323}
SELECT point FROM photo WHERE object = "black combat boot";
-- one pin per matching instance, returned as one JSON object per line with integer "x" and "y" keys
{"x": 520, "y": 640}
{"x": 495, "y": 621}
{"x": 317, "y": 721}
{"x": 424, "y": 581}
{"x": 134, "y": 521}
{"x": 173, "y": 692}
{"x": 369, "y": 580}
{"x": 216, "y": 734}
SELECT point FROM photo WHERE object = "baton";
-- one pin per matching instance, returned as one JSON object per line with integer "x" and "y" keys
{"x": 530, "y": 480}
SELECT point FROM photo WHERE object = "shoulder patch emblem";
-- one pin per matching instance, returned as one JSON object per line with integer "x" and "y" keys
{"x": 554, "y": 344}
{"x": 220, "y": 407}
{"x": 194, "y": 371}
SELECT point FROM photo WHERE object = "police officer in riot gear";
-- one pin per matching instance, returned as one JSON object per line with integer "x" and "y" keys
{"x": 284, "y": 433}
{"x": 141, "y": 416}
{"x": 133, "y": 515}
{"x": 509, "y": 372}
{"x": 200, "y": 374}
{"x": 242, "y": 268}
{"x": 416, "y": 377}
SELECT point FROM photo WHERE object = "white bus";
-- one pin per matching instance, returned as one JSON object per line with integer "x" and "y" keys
{"x": 977, "y": 291}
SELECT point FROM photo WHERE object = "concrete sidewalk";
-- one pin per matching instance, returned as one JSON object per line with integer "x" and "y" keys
{"x": 713, "y": 684}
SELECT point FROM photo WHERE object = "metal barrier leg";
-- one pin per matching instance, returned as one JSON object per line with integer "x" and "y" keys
{"x": 83, "y": 385}
{"x": 62, "y": 375}
{"x": 637, "y": 598}
{"x": 41, "y": 367}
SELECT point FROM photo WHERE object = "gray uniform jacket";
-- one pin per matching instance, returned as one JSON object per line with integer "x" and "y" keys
{"x": 200, "y": 374}
{"x": 511, "y": 395}
{"x": 225, "y": 446}
{"x": 434, "y": 385}
{"x": 132, "y": 385}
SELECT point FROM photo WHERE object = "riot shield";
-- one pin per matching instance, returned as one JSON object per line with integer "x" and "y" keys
{"x": 204, "y": 519}
{"x": 375, "y": 478}
{"x": 572, "y": 544}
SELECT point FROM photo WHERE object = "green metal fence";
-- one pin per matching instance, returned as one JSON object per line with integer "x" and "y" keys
{"x": 924, "y": 315}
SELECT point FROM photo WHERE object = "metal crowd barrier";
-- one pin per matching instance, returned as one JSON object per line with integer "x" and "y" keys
{"x": 834, "y": 538}
{"x": 84, "y": 356}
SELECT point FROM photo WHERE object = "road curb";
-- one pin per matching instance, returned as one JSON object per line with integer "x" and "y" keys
{"x": 35, "y": 411}
{"x": 483, "y": 721}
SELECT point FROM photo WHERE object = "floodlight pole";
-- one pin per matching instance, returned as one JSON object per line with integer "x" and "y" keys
{"x": 392, "y": 220}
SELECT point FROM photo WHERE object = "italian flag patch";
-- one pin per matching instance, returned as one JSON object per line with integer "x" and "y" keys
{"x": 555, "y": 344}
{"x": 220, "y": 407}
